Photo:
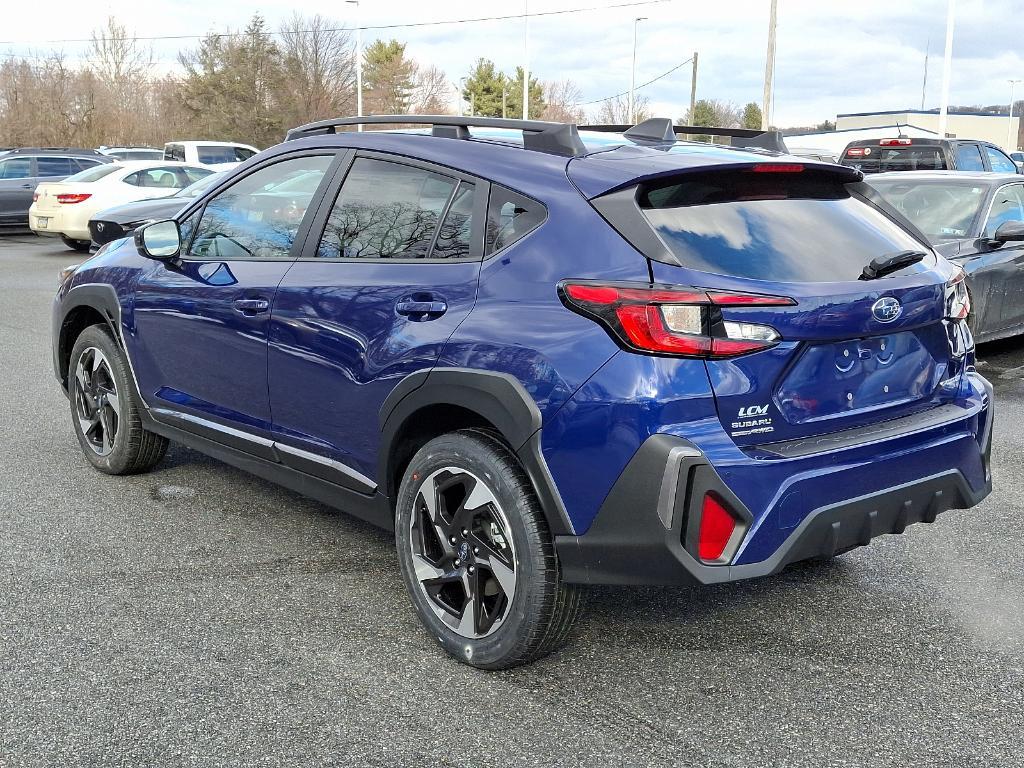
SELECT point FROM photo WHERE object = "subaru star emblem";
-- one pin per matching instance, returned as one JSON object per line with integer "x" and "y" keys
{"x": 886, "y": 309}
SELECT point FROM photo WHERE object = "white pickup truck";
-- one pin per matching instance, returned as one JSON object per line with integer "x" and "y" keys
{"x": 218, "y": 155}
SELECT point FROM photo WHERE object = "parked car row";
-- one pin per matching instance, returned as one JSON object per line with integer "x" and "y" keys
{"x": 23, "y": 169}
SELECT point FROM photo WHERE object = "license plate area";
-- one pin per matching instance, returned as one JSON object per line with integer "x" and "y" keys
{"x": 42, "y": 222}
{"x": 835, "y": 379}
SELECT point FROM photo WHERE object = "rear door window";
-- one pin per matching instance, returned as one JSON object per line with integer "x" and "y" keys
{"x": 968, "y": 158}
{"x": 784, "y": 227}
{"x": 388, "y": 210}
{"x": 16, "y": 168}
{"x": 55, "y": 166}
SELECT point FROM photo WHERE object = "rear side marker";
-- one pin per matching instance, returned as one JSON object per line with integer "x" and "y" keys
{"x": 673, "y": 321}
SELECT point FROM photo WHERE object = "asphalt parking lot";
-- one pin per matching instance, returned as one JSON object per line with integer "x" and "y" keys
{"x": 200, "y": 616}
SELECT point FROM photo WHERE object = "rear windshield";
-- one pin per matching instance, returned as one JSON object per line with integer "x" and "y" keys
{"x": 771, "y": 226}
{"x": 941, "y": 209}
{"x": 95, "y": 173}
{"x": 881, "y": 159}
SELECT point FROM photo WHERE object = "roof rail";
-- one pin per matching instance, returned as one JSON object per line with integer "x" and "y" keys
{"x": 538, "y": 135}
{"x": 63, "y": 150}
{"x": 661, "y": 129}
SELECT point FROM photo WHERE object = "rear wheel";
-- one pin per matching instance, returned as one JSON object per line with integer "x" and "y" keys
{"x": 476, "y": 554}
{"x": 105, "y": 409}
{"x": 82, "y": 246}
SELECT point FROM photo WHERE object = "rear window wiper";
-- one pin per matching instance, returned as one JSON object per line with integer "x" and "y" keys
{"x": 890, "y": 262}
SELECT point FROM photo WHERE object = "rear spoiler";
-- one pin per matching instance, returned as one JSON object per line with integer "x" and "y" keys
{"x": 661, "y": 129}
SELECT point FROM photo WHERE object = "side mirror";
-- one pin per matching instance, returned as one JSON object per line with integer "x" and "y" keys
{"x": 160, "y": 240}
{"x": 1009, "y": 231}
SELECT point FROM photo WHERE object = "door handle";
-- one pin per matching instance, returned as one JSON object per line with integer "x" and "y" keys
{"x": 421, "y": 307}
{"x": 250, "y": 306}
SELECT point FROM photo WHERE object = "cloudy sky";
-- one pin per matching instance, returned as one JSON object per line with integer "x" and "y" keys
{"x": 833, "y": 56}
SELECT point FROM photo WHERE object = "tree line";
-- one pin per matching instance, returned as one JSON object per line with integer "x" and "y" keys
{"x": 252, "y": 85}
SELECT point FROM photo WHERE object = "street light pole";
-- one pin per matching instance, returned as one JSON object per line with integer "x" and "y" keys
{"x": 359, "y": 63}
{"x": 632, "y": 74}
{"x": 526, "y": 60}
{"x": 769, "y": 69}
{"x": 947, "y": 69}
{"x": 1011, "y": 142}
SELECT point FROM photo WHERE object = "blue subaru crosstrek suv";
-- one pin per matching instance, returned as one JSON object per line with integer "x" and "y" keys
{"x": 545, "y": 357}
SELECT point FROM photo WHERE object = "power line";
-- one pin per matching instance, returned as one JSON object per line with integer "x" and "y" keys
{"x": 644, "y": 85}
{"x": 407, "y": 25}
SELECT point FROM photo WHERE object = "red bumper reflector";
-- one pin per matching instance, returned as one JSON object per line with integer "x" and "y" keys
{"x": 716, "y": 528}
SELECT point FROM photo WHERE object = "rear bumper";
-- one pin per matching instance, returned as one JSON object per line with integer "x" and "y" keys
{"x": 61, "y": 221}
{"x": 640, "y": 534}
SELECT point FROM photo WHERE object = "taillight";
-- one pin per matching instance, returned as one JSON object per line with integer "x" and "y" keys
{"x": 666, "y": 320}
{"x": 778, "y": 168}
{"x": 958, "y": 300}
{"x": 35, "y": 197}
{"x": 895, "y": 142}
{"x": 73, "y": 197}
{"x": 717, "y": 526}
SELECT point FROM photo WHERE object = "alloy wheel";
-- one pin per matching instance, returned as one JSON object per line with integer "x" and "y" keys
{"x": 462, "y": 552}
{"x": 97, "y": 404}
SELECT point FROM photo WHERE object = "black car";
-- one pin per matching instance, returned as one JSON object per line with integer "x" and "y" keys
{"x": 977, "y": 220}
{"x": 121, "y": 220}
{"x": 914, "y": 154}
{"x": 23, "y": 168}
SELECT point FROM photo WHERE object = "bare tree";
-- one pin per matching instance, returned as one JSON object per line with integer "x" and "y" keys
{"x": 616, "y": 110}
{"x": 562, "y": 98}
{"x": 318, "y": 71}
{"x": 431, "y": 91}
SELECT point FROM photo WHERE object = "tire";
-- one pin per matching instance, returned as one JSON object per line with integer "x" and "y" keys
{"x": 105, "y": 408}
{"x": 501, "y": 544}
{"x": 82, "y": 246}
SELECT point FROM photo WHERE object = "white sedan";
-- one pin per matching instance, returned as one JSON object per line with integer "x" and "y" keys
{"x": 63, "y": 209}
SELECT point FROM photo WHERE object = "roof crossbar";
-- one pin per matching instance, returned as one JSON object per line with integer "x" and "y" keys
{"x": 661, "y": 129}
{"x": 538, "y": 135}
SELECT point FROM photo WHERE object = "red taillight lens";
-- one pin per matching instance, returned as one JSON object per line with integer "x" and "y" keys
{"x": 664, "y": 320}
{"x": 895, "y": 142}
{"x": 717, "y": 526}
{"x": 35, "y": 197}
{"x": 70, "y": 198}
{"x": 958, "y": 300}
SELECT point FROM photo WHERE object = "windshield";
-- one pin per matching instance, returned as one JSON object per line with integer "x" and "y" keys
{"x": 941, "y": 209}
{"x": 772, "y": 227}
{"x": 95, "y": 173}
{"x": 197, "y": 188}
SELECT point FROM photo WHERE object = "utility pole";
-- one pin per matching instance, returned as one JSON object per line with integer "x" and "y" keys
{"x": 947, "y": 69}
{"x": 472, "y": 104}
{"x": 769, "y": 68}
{"x": 526, "y": 60}
{"x": 693, "y": 89}
{"x": 631, "y": 115}
{"x": 359, "y": 63}
{"x": 1011, "y": 140}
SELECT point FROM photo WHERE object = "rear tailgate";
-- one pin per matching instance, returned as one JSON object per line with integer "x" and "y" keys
{"x": 849, "y": 351}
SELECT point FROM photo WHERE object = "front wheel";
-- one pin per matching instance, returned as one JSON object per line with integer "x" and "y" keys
{"x": 105, "y": 409}
{"x": 476, "y": 554}
{"x": 82, "y": 246}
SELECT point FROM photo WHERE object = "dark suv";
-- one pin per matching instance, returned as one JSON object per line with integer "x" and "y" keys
{"x": 23, "y": 168}
{"x": 543, "y": 357}
{"x": 913, "y": 154}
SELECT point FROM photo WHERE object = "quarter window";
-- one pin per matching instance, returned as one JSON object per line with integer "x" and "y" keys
{"x": 968, "y": 158}
{"x": 510, "y": 217}
{"x": 387, "y": 210}
{"x": 1008, "y": 205}
{"x": 251, "y": 219}
{"x": 999, "y": 162}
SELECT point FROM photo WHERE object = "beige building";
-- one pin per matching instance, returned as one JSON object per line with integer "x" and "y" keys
{"x": 985, "y": 126}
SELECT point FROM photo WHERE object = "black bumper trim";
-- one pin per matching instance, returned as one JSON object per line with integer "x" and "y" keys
{"x": 628, "y": 544}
